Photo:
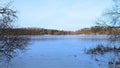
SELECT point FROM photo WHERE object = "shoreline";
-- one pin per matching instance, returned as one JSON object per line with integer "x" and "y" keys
{"x": 65, "y": 35}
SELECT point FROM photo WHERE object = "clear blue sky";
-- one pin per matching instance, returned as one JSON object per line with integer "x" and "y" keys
{"x": 59, "y": 14}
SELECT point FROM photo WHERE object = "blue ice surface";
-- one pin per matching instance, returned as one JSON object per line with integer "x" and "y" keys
{"x": 59, "y": 52}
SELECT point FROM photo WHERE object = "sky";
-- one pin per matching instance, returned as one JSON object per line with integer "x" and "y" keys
{"x": 59, "y": 14}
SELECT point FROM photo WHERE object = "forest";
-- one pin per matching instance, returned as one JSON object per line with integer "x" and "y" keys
{"x": 95, "y": 30}
{"x": 99, "y": 30}
{"x": 34, "y": 31}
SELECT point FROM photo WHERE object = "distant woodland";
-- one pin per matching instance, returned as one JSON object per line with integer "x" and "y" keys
{"x": 96, "y": 30}
{"x": 99, "y": 30}
{"x": 34, "y": 31}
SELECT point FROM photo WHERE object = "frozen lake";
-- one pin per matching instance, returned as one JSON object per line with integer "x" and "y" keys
{"x": 58, "y": 52}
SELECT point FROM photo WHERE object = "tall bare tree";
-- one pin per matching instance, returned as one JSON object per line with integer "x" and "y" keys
{"x": 111, "y": 19}
{"x": 9, "y": 45}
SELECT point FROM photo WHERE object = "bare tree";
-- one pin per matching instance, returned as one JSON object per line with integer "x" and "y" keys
{"x": 111, "y": 19}
{"x": 9, "y": 45}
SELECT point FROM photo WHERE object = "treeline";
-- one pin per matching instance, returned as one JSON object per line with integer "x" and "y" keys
{"x": 99, "y": 30}
{"x": 34, "y": 31}
{"x": 95, "y": 30}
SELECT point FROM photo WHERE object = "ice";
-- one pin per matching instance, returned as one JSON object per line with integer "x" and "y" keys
{"x": 59, "y": 52}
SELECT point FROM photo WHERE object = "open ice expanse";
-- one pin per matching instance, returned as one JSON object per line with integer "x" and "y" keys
{"x": 58, "y": 52}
